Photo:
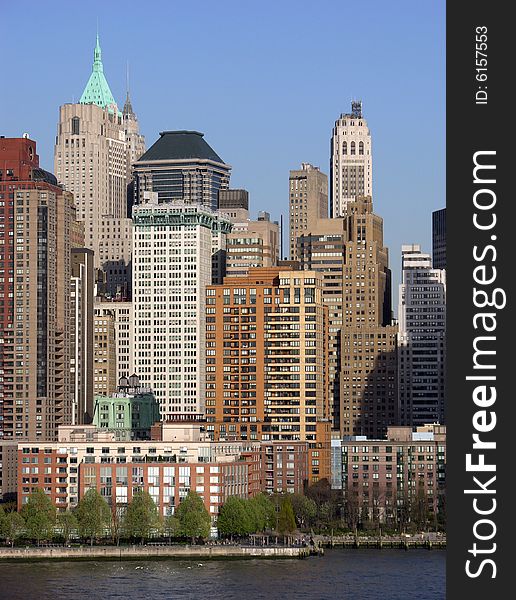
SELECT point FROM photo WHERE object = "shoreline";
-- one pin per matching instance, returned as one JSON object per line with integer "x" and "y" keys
{"x": 136, "y": 552}
{"x": 176, "y": 552}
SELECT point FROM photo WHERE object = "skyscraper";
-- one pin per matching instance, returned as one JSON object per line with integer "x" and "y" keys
{"x": 172, "y": 265}
{"x": 104, "y": 352}
{"x": 422, "y": 339}
{"x": 439, "y": 239}
{"x": 322, "y": 248}
{"x": 91, "y": 160}
{"x": 81, "y": 334}
{"x": 122, "y": 313}
{"x": 308, "y": 201}
{"x": 134, "y": 139}
{"x": 266, "y": 361}
{"x": 252, "y": 244}
{"x": 135, "y": 147}
{"x": 368, "y": 376}
{"x": 181, "y": 167}
{"x": 351, "y": 173}
{"x": 36, "y": 224}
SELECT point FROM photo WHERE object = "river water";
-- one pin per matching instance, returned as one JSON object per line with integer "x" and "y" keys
{"x": 339, "y": 575}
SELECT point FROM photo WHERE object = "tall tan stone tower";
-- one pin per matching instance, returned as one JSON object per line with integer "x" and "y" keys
{"x": 368, "y": 375}
{"x": 351, "y": 173}
{"x": 308, "y": 201}
{"x": 92, "y": 158}
{"x": 322, "y": 248}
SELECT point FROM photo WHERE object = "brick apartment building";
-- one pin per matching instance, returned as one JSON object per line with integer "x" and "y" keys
{"x": 387, "y": 476}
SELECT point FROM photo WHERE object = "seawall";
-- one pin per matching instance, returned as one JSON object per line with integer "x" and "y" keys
{"x": 150, "y": 552}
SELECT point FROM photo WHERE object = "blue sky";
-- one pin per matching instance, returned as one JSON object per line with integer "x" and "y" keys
{"x": 264, "y": 82}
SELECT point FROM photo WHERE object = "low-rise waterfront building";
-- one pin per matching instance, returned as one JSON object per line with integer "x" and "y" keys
{"x": 86, "y": 456}
{"x": 385, "y": 478}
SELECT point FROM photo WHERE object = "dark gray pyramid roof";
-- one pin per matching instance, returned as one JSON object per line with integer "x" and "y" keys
{"x": 177, "y": 145}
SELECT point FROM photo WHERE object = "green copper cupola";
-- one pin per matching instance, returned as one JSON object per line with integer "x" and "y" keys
{"x": 97, "y": 89}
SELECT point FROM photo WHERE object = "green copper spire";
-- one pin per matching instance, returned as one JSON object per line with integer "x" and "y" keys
{"x": 97, "y": 89}
{"x": 97, "y": 57}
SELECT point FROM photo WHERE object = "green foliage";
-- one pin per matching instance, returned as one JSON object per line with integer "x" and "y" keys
{"x": 93, "y": 515}
{"x": 263, "y": 512}
{"x": 236, "y": 517}
{"x": 286, "y": 519}
{"x": 12, "y": 526}
{"x": 141, "y": 516}
{"x": 67, "y": 522}
{"x": 171, "y": 526}
{"x": 194, "y": 519}
{"x": 39, "y": 515}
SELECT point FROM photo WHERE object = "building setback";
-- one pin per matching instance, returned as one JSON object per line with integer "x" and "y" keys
{"x": 172, "y": 265}
{"x": 351, "y": 171}
{"x": 36, "y": 225}
{"x": 181, "y": 167}
{"x": 266, "y": 361}
{"x": 308, "y": 201}
{"x": 422, "y": 339}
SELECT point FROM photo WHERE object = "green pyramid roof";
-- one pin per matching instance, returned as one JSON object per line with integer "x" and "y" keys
{"x": 97, "y": 89}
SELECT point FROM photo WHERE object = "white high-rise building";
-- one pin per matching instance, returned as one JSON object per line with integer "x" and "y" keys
{"x": 172, "y": 265}
{"x": 422, "y": 339}
{"x": 351, "y": 160}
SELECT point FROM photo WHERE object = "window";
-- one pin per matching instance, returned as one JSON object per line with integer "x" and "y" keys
{"x": 75, "y": 126}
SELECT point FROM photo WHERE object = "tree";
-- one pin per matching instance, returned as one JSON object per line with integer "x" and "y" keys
{"x": 419, "y": 512}
{"x": 305, "y": 509}
{"x": 194, "y": 519}
{"x": 364, "y": 515}
{"x": 236, "y": 517}
{"x": 117, "y": 519}
{"x": 320, "y": 491}
{"x": 286, "y": 519}
{"x": 39, "y": 515}
{"x": 171, "y": 527}
{"x": 12, "y": 526}
{"x": 264, "y": 513}
{"x": 93, "y": 515}
{"x": 351, "y": 511}
{"x": 67, "y": 522}
{"x": 404, "y": 510}
{"x": 141, "y": 516}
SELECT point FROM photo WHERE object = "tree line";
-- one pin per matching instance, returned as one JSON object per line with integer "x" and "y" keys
{"x": 320, "y": 509}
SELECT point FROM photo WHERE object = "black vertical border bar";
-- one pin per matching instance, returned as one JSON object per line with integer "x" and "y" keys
{"x": 471, "y": 128}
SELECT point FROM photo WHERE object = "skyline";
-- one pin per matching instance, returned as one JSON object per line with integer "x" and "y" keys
{"x": 286, "y": 82}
